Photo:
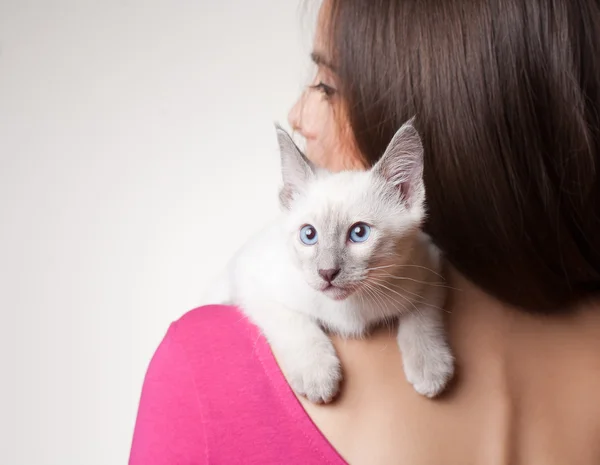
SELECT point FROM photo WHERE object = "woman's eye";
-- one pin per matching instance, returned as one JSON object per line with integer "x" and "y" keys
{"x": 308, "y": 235}
{"x": 359, "y": 232}
{"x": 325, "y": 89}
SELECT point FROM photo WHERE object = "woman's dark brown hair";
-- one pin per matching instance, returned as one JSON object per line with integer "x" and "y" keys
{"x": 506, "y": 95}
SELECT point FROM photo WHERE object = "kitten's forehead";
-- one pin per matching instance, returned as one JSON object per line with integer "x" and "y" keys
{"x": 342, "y": 192}
{"x": 333, "y": 202}
{"x": 336, "y": 201}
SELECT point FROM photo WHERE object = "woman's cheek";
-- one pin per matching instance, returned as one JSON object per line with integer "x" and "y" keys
{"x": 329, "y": 141}
{"x": 341, "y": 153}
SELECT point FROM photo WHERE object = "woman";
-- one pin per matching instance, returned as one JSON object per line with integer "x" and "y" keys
{"x": 507, "y": 98}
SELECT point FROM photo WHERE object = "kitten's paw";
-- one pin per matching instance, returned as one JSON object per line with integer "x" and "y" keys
{"x": 317, "y": 377}
{"x": 429, "y": 371}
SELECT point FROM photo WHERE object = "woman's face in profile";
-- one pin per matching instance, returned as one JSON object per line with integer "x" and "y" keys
{"x": 319, "y": 115}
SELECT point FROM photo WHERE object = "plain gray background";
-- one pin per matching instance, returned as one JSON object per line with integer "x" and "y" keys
{"x": 137, "y": 151}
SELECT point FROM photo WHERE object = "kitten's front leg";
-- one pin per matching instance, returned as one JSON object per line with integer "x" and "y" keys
{"x": 304, "y": 352}
{"x": 427, "y": 358}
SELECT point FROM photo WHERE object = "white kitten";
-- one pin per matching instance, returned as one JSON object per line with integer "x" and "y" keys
{"x": 347, "y": 254}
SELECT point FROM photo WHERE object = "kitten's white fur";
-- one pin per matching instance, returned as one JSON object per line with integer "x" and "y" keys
{"x": 394, "y": 274}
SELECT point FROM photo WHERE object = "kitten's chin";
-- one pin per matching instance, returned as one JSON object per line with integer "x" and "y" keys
{"x": 336, "y": 293}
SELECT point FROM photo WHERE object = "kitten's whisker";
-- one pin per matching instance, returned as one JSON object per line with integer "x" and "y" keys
{"x": 388, "y": 297}
{"x": 422, "y": 301}
{"x": 382, "y": 280}
{"x": 399, "y": 307}
{"x": 380, "y": 267}
{"x": 389, "y": 275}
{"x": 381, "y": 307}
{"x": 397, "y": 293}
{"x": 406, "y": 265}
{"x": 363, "y": 301}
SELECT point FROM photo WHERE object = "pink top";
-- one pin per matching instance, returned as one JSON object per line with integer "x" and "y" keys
{"x": 214, "y": 394}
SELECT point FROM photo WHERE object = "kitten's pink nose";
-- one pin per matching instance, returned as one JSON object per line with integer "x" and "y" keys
{"x": 329, "y": 275}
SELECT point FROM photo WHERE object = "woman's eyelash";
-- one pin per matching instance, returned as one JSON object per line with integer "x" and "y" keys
{"x": 328, "y": 91}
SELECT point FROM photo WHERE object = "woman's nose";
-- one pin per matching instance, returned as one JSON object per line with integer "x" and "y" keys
{"x": 295, "y": 114}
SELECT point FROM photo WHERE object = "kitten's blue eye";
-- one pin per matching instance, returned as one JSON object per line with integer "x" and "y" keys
{"x": 308, "y": 235}
{"x": 359, "y": 232}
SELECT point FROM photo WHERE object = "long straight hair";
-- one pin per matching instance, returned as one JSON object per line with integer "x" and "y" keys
{"x": 506, "y": 95}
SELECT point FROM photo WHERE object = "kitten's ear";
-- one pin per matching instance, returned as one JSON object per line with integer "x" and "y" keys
{"x": 402, "y": 165}
{"x": 296, "y": 169}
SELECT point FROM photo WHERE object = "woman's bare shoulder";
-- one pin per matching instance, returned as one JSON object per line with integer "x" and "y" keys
{"x": 523, "y": 393}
